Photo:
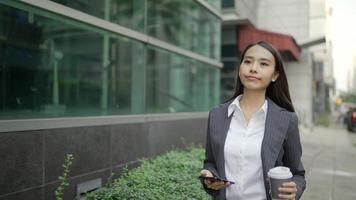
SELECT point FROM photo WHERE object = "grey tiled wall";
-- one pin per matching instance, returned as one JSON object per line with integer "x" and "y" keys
{"x": 31, "y": 161}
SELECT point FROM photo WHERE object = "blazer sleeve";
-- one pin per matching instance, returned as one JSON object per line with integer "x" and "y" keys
{"x": 209, "y": 161}
{"x": 293, "y": 153}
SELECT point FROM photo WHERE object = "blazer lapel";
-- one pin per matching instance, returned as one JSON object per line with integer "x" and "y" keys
{"x": 224, "y": 128}
{"x": 275, "y": 130}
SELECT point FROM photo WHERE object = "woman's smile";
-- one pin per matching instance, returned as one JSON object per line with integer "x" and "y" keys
{"x": 252, "y": 78}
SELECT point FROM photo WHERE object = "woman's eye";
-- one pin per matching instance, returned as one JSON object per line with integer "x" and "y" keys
{"x": 247, "y": 61}
{"x": 264, "y": 64}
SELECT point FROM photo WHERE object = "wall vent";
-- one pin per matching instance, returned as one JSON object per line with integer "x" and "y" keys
{"x": 86, "y": 187}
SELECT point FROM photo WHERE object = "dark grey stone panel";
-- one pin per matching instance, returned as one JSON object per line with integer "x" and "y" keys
{"x": 128, "y": 142}
{"x": 96, "y": 149}
{"x": 166, "y": 135}
{"x": 21, "y": 161}
{"x": 71, "y": 191}
{"x": 32, "y": 194}
{"x": 89, "y": 145}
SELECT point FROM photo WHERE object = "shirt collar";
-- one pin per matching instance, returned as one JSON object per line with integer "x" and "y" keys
{"x": 236, "y": 105}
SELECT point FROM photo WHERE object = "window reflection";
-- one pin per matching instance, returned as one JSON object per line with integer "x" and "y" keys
{"x": 128, "y": 13}
{"x": 179, "y": 84}
{"x": 190, "y": 26}
{"x": 215, "y": 3}
{"x": 52, "y": 66}
{"x": 61, "y": 69}
{"x": 184, "y": 23}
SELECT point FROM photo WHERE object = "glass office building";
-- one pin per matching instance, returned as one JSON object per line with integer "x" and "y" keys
{"x": 70, "y": 58}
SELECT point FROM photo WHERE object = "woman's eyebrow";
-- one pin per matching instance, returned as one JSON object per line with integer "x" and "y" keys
{"x": 250, "y": 57}
{"x": 265, "y": 59}
{"x": 261, "y": 59}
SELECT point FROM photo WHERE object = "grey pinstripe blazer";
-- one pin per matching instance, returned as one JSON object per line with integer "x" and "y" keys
{"x": 280, "y": 146}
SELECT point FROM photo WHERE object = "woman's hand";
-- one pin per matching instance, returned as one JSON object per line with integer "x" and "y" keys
{"x": 288, "y": 190}
{"x": 215, "y": 185}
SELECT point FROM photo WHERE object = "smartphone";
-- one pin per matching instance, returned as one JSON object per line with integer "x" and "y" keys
{"x": 215, "y": 179}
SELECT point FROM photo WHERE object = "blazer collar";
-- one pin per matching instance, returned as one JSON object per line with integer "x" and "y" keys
{"x": 275, "y": 129}
{"x": 271, "y": 105}
{"x": 235, "y": 104}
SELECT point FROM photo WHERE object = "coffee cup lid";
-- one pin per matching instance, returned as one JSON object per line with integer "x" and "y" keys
{"x": 280, "y": 173}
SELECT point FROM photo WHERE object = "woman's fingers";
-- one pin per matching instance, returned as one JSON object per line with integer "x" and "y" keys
{"x": 287, "y": 196}
{"x": 288, "y": 190}
{"x": 289, "y": 184}
{"x": 217, "y": 185}
{"x": 207, "y": 182}
{"x": 206, "y": 173}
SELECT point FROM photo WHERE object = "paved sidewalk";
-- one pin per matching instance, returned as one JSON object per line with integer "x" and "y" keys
{"x": 329, "y": 157}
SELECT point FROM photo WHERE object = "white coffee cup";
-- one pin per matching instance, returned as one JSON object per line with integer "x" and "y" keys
{"x": 277, "y": 176}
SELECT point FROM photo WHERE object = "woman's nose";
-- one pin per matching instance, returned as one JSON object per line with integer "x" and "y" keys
{"x": 254, "y": 67}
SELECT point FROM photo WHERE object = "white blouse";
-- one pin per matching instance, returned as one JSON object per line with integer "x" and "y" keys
{"x": 242, "y": 152}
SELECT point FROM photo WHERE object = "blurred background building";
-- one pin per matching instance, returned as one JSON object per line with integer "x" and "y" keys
{"x": 351, "y": 79}
{"x": 108, "y": 81}
{"x": 324, "y": 86}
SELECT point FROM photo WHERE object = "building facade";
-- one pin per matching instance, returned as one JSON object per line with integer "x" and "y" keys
{"x": 108, "y": 81}
{"x": 324, "y": 91}
{"x": 351, "y": 79}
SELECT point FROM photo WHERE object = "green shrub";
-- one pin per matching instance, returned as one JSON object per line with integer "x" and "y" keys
{"x": 169, "y": 176}
{"x": 63, "y": 180}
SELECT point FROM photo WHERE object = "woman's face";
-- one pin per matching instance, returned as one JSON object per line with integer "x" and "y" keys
{"x": 257, "y": 69}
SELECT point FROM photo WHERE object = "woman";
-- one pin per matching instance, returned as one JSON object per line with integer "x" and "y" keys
{"x": 256, "y": 130}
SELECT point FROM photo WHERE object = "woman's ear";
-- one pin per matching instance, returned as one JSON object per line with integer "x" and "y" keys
{"x": 275, "y": 76}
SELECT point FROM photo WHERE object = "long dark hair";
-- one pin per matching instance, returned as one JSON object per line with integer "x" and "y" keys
{"x": 277, "y": 91}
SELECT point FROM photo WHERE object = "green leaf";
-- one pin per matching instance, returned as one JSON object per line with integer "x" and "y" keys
{"x": 63, "y": 182}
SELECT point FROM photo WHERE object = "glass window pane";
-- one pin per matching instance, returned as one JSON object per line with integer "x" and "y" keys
{"x": 52, "y": 66}
{"x": 230, "y": 65}
{"x": 215, "y": 3}
{"x": 175, "y": 83}
{"x": 229, "y": 50}
{"x": 128, "y": 13}
{"x": 228, "y": 3}
{"x": 215, "y": 85}
{"x": 186, "y": 24}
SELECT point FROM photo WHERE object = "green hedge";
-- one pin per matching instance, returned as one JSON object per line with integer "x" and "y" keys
{"x": 170, "y": 176}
